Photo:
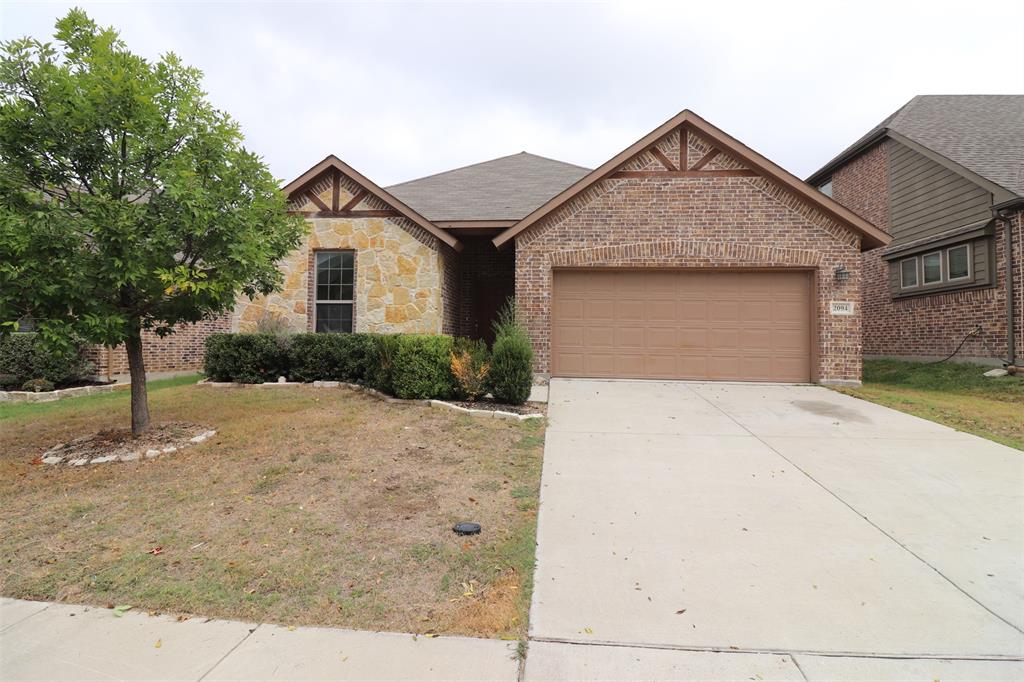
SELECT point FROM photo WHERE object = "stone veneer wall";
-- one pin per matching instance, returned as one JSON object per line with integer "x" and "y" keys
{"x": 926, "y": 326}
{"x": 399, "y": 273}
{"x": 695, "y": 222}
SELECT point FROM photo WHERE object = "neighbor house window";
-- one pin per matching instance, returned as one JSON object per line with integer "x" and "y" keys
{"x": 908, "y": 273}
{"x": 931, "y": 265}
{"x": 958, "y": 262}
{"x": 826, "y": 188}
{"x": 335, "y": 291}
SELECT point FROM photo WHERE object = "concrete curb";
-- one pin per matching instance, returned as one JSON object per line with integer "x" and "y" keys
{"x": 489, "y": 414}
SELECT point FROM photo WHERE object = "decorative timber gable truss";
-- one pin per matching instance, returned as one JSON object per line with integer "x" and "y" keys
{"x": 362, "y": 198}
{"x": 729, "y": 157}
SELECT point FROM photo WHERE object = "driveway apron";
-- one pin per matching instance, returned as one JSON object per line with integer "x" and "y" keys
{"x": 772, "y": 520}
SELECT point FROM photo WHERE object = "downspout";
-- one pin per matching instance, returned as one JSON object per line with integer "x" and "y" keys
{"x": 1001, "y": 213}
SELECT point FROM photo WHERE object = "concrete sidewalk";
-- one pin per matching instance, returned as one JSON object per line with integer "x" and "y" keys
{"x": 42, "y": 641}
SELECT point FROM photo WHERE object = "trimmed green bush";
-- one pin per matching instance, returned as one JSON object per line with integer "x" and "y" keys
{"x": 511, "y": 375}
{"x": 24, "y": 357}
{"x": 381, "y": 375}
{"x": 422, "y": 367}
{"x": 351, "y": 358}
{"x": 245, "y": 358}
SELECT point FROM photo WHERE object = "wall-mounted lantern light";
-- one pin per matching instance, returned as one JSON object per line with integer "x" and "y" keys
{"x": 842, "y": 275}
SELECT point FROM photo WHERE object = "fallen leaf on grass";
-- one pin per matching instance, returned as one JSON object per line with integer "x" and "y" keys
{"x": 155, "y": 551}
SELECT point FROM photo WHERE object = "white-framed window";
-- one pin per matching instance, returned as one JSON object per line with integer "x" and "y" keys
{"x": 826, "y": 187}
{"x": 931, "y": 268}
{"x": 908, "y": 273}
{"x": 334, "y": 291}
{"x": 958, "y": 263}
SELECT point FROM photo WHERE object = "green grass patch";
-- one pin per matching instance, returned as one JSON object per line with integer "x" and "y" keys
{"x": 21, "y": 410}
{"x": 954, "y": 394}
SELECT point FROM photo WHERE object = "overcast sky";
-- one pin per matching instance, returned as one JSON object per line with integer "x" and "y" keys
{"x": 404, "y": 90}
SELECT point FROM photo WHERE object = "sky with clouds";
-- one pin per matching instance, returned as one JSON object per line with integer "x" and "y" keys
{"x": 403, "y": 90}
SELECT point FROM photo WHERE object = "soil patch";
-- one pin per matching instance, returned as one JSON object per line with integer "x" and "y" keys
{"x": 111, "y": 444}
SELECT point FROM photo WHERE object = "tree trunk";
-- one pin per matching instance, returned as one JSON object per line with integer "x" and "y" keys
{"x": 137, "y": 370}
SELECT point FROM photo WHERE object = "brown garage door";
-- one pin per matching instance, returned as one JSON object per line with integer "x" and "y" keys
{"x": 682, "y": 324}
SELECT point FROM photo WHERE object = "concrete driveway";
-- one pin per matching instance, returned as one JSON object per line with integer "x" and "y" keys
{"x": 708, "y": 530}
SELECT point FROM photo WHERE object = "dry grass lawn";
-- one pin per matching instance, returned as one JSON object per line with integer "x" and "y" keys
{"x": 311, "y": 507}
{"x": 954, "y": 394}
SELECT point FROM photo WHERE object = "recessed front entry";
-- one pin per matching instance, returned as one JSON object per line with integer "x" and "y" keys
{"x": 682, "y": 324}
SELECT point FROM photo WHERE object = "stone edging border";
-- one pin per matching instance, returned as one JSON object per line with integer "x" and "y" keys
{"x": 50, "y": 396}
{"x": 492, "y": 414}
{"x": 51, "y": 456}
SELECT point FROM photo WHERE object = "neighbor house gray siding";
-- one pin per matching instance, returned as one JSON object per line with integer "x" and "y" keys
{"x": 927, "y": 198}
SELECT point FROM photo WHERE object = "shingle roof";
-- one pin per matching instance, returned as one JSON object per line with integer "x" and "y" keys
{"x": 982, "y": 133}
{"x": 507, "y": 188}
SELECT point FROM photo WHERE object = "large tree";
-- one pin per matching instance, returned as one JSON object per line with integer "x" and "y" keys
{"x": 127, "y": 201}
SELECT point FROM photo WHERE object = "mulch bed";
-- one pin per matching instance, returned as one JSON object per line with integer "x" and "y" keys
{"x": 490, "y": 404}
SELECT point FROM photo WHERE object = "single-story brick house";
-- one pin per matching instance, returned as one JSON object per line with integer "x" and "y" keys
{"x": 685, "y": 256}
{"x": 944, "y": 174}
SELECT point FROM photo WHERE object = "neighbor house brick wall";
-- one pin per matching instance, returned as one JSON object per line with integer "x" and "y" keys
{"x": 722, "y": 222}
{"x": 398, "y": 272}
{"x": 925, "y": 326}
{"x": 177, "y": 352}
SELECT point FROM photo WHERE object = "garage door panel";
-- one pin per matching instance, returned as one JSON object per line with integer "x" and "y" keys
{"x": 692, "y": 311}
{"x": 629, "y": 338}
{"x": 724, "y": 338}
{"x": 661, "y": 311}
{"x": 724, "y": 311}
{"x": 686, "y": 324}
{"x": 631, "y": 309}
{"x": 662, "y": 338}
{"x": 596, "y": 336}
{"x": 599, "y": 309}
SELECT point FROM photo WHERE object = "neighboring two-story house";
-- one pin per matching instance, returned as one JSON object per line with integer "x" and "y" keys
{"x": 944, "y": 175}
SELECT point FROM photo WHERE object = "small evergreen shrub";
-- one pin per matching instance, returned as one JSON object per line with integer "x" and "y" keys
{"x": 470, "y": 365}
{"x": 351, "y": 358}
{"x": 511, "y": 373}
{"x": 381, "y": 374}
{"x": 422, "y": 367}
{"x": 24, "y": 357}
{"x": 37, "y": 385}
{"x": 245, "y": 358}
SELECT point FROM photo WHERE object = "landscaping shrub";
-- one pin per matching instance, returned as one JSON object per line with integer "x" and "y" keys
{"x": 470, "y": 365}
{"x": 24, "y": 357}
{"x": 511, "y": 374}
{"x": 351, "y": 358}
{"x": 381, "y": 373}
{"x": 245, "y": 358}
{"x": 37, "y": 385}
{"x": 422, "y": 367}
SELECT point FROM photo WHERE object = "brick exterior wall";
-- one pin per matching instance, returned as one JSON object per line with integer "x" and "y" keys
{"x": 724, "y": 222}
{"x": 926, "y": 326}
{"x": 178, "y": 352}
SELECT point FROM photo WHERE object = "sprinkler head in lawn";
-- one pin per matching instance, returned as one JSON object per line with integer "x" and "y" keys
{"x": 466, "y": 528}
